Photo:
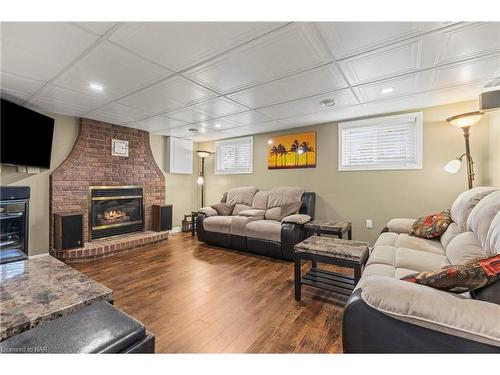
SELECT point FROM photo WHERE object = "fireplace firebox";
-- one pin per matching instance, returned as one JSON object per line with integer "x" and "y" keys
{"x": 115, "y": 210}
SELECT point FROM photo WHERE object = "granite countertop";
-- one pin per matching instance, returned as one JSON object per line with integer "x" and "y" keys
{"x": 328, "y": 224}
{"x": 356, "y": 251}
{"x": 40, "y": 289}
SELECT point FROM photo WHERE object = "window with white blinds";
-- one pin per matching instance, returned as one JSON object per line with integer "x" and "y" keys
{"x": 392, "y": 142}
{"x": 234, "y": 156}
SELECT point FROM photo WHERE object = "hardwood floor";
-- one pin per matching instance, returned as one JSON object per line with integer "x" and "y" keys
{"x": 200, "y": 299}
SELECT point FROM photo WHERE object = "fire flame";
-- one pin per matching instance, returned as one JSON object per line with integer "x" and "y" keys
{"x": 114, "y": 214}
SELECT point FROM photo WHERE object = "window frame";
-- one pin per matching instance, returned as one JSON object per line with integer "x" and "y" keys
{"x": 416, "y": 117}
{"x": 217, "y": 144}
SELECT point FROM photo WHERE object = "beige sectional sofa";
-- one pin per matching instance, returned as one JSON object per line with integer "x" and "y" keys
{"x": 255, "y": 224}
{"x": 385, "y": 314}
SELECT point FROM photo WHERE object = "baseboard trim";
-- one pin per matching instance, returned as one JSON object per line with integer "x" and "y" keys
{"x": 175, "y": 230}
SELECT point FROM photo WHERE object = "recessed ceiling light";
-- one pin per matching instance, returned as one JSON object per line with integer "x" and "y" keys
{"x": 327, "y": 102}
{"x": 218, "y": 125}
{"x": 269, "y": 141}
{"x": 203, "y": 130}
{"x": 96, "y": 86}
{"x": 387, "y": 90}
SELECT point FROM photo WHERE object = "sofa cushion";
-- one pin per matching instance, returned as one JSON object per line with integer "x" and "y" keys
{"x": 382, "y": 254}
{"x": 419, "y": 260}
{"x": 284, "y": 194}
{"x": 239, "y": 223}
{"x": 464, "y": 248}
{"x": 416, "y": 243}
{"x": 273, "y": 213}
{"x": 431, "y": 226}
{"x": 252, "y": 212}
{"x": 239, "y": 208}
{"x": 465, "y": 202}
{"x": 493, "y": 237}
{"x": 481, "y": 217}
{"x": 451, "y": 232}
{"x": 265, "y": 230}
{"x": 219, "y": 224}
{"x": 387, "y": 239}
{"x": 242, "y": 195}
{"x": 260, "y": 199}
{"x": 288, "y": 209}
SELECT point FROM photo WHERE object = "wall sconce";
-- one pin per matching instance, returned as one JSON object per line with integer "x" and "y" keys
{"x": 464, "y": 121}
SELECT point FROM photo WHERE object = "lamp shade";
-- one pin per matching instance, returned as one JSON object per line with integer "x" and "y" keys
{"x": 465, "y": 120}
{"x": 202, "y": 154}
{"x": 453, "y": 166}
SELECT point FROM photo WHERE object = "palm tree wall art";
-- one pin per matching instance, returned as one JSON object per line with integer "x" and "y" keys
{"x": 292, "y": 151}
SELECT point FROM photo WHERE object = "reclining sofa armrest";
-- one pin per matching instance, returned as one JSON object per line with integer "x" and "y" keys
{"x": 297, "y": 219}
{"x": 291, "y": 234}
{"x": 207, "y": 211}
{"x": 390, "y": 315}
{"x": 400, "y": 225}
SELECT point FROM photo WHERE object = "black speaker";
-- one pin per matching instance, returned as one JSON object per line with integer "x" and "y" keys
{"x": 68, "y": 231}
{"x": 162, "y": 217}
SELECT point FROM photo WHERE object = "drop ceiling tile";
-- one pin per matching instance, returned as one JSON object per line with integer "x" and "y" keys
{"x": 247, "y": 118}
{"x": 405, "y": 85}
{"x": 184, "y": 131}
{"x": 116, "y": 113}
{"x": 98, "y": 28}
{"x": 398, "y": 59}
{"x": 207, "y": 110}
{"x": 157, "y": 123}
{"x": 179, "y": 45}
{"x": 60, "y": 100}
{"x": 349, "y": 38}
{"x": 170, "y": 94}
{"x": 312, "y": 82}
{"x": 469, "y": 40}
{"x": 117, "y": 70}
{"x": 299, "y": 107}
{"x": 218, "y": 125}
{"x": 289, "y": 50}
{"x": 18, "y": 86}
{"x": 40, "y": 50}
{"x": 465, "y": 72}
{"x": 325, "y": 116}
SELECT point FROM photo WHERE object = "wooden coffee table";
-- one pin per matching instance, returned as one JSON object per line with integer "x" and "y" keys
{"x": 335, "y": 227}
{"x": 343, "y": 253}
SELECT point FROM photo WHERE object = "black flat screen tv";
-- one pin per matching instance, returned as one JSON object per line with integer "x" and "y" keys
{"x": 25, "y": 136}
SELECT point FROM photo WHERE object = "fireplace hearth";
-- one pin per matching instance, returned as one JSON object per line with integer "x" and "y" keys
{"x": 115, "y": 210}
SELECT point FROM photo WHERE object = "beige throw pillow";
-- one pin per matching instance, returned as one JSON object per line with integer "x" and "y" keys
{"x": 223, "y": 209}
{"x": 288, "y": 209}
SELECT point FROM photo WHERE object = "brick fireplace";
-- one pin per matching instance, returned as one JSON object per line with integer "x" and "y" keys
{"x": 90, "y": 165}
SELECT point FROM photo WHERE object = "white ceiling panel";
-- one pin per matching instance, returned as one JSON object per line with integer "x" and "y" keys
{"x": 18, "y": 87}
{"x": 186, "y": 131}
{"x": 218, "y": 124}
{"x": 157, "y": 123}
{"x": 387, "y": 89}
{"x": 40, "y": 50}
{"x": 98, "y": 28}
{"x": 208, "y": 110}
{"x": 117, "y": 70}
{"x": 466, "y": 72}
{"x": 400, "y": 58}
{"x": 350, "y": 38}
{"x": 343, "y": 98}
{"x": 117, "y": 113}
{"x": 60, "y": 100}
{"x": 173, "y": 93}
{"x": 247, "y": 118}
{"x": 179, "y": 45}
{"x": 312, "y": 82}
{"x": 289, "y": 50}
{"x": 469, "y": 40}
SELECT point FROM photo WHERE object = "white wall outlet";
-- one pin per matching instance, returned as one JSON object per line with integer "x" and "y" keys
{"x": 369, "y": 223}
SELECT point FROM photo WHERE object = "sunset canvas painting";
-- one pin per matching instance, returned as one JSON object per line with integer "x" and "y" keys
{"x": 292, "y": 151}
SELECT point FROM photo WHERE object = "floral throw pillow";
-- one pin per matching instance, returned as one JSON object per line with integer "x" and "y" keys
{"x": 460, "y": 278}
{"x": 431, "y": 226}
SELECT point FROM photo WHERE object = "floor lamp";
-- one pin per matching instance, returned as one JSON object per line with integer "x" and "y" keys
{"x": 464, "y": 121}
{"x": 201, "y": 178}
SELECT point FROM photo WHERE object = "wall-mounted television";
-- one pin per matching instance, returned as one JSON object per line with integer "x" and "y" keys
{"x": 25, "y": 136}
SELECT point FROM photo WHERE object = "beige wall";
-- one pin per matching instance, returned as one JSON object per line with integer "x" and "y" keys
{"x": 65, "y": 133}
{"x": 494, "y": 118}
{"x": 376, "y": 195}
{"x": 180, "y": 188}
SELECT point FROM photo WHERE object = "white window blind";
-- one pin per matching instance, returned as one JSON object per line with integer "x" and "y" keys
{"x": 392, "y": 142}
{"x": 234, "y": 156}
